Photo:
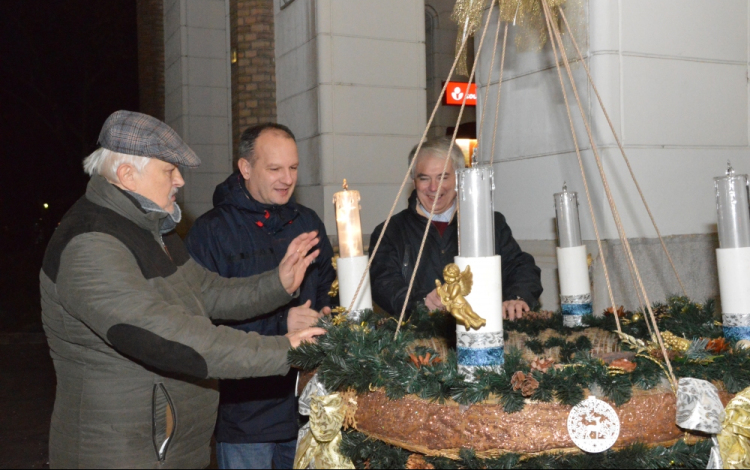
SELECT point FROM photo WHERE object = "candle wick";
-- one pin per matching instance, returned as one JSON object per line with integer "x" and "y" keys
{"x": 345, "y": 185}
{"x": 565, "y": 186}
{"x": 730, "y": 170}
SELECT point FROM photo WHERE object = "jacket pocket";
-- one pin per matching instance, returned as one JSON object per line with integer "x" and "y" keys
{"x": 164, "y": 421}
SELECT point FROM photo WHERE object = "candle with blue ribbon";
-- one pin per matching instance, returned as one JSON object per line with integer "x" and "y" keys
{"x": 733, "y": 254}
{"x": 572, "y": 265}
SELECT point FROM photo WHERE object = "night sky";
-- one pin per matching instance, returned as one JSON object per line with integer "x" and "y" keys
{"x": 65, "y": 66}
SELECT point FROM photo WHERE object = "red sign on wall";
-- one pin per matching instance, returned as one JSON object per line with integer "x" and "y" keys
{"x": 454, "y": 94}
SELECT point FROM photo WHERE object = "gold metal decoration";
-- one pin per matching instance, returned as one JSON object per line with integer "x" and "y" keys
{"x": 528, "y": 15}
{"x": 452, "y": 294}
{"x": 734, "y": 439}
{"x": 319, "y": 448}
{"x": 674, "y": 342}
{"x": 468, "y": 15}
{"x": 334, "y": 291}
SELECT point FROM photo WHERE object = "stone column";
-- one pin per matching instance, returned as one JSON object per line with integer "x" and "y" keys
{"x": 198, "y": 93}
{"x": 351, "y": 85}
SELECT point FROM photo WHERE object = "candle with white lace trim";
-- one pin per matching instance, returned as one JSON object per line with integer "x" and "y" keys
{"x": 352, "y": 263}
{"x": 572, "y": 266}
{"x": 733, "y": 254}
{"x": 483, "y": 348}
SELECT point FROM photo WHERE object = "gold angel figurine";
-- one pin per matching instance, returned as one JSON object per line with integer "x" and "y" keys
{"x": 457, "y": 285}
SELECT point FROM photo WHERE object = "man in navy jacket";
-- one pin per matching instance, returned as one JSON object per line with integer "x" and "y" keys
{"x": 253, "y": 221}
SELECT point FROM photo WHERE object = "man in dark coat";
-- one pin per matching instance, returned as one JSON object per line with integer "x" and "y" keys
{"x": 253, "y": 221}
{"x": 394, "y": 262}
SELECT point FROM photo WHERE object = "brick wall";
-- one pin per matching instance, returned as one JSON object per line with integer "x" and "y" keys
{"x": 151, "y": 57}
{"x": 254, "y": 72}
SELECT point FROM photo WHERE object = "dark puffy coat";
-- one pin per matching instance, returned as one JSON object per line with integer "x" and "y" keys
{"x": 394, "y": 262}
{"x": 241, "y": 237}
{"x": 127, "y": 317}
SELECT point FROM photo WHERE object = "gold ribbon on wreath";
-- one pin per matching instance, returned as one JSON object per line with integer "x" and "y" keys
{"x": 319, "y": 447}
{"x": 734, "y": 439}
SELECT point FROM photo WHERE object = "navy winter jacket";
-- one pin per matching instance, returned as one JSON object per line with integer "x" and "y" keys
{"x": 394, "y": 262}
{"x": 241, "y": 237}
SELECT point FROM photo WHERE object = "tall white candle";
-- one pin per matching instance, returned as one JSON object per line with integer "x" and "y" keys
{"x": 348, "y": 225}
{"x": 352, "y": 263}
{"x": 572, "y": 267}
{"x": 485, "y": 347}
{"x": 733, "y": 256}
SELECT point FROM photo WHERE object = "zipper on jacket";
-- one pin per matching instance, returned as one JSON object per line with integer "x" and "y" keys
{"x": 164, "y": 247}
{"x": 163, "y": 426}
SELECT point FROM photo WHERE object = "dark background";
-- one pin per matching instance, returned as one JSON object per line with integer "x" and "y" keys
{"x": 65, "y": 65}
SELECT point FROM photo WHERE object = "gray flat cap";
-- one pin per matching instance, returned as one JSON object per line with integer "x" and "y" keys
{"x": 145, "y": 136}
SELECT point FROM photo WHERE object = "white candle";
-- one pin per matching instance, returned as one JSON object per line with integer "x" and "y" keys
{"x": 477, "y": 211}
{"x": 348, "y": 225}
{"x": 733, "y": 210}
{"x": 733, "y": 256}
{"x": 568, "y": 225}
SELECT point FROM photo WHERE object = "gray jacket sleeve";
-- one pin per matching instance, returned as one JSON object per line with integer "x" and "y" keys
{"x": 238, "y": 298}
{"x": 101, "y": 285}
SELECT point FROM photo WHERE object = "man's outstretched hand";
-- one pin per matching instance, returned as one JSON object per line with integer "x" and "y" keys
{"x": 307, "y": 335}
{"x": 294, "y": 265}
{"x": 514, "y": 309}
{"x": 303, "y": 317}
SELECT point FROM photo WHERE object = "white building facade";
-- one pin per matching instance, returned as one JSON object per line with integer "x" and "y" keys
{"x": 356, "y": 81}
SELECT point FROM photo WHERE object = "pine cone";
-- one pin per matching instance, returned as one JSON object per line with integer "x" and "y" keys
{"x": 529, "y": 386}
{"x": 517, "y": 380}
{"x": 416, "y": 461}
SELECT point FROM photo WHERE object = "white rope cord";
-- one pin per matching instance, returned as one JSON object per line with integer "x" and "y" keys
{"x": 489, "y": 80}
{"x": 583, "y": 176}
{"x": 613, "y": 206}
{"x": 622, "y": 150}
{"x": 499, "y": 87}
{"x": 445, "y": 167}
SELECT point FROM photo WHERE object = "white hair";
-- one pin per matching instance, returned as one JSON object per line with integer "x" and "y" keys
{"x": 105, "y": 162}
{"x": 438, "y": 147}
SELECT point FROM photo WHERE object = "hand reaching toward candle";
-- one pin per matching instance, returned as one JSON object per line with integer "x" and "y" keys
{"x": 303, "y": 317}
{"x": 514, "y": 309}
{"x": 432, "y": 301}
{"x": 293, "y": 267}
{"x": 307, "y": 335}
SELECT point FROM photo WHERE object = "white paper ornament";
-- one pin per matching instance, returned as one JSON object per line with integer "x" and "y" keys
{"x": 593, "y": 425}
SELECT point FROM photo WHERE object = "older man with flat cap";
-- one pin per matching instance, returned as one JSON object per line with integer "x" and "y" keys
{"x": 128, "y": 314}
